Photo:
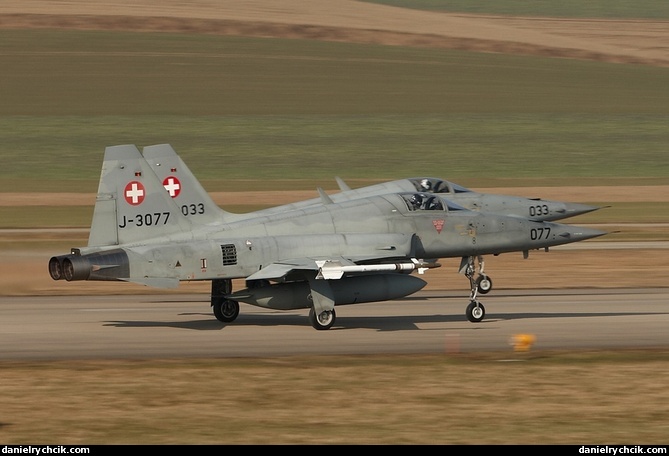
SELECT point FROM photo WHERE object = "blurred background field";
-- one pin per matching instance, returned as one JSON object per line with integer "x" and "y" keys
{"x": 304, "y": 111}
{"x": 648, "y": 9}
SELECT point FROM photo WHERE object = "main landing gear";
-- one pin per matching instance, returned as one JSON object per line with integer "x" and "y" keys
{"x": 324, "y": 320}
{"x": 481, "y": 284}
{"x": 225, "y": 310}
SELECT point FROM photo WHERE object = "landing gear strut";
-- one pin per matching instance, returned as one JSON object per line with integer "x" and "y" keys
{"x": 475, "y": 310}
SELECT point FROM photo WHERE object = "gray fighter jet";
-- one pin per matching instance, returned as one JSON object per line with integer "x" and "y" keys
{"x": 196, "y": 203}
{"x": 316, "y": 257}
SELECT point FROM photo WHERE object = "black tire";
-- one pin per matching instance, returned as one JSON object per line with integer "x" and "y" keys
{"x": 225, "y": 310}
{"x": 475, "y": 312}
{"x": 323, "y": 321}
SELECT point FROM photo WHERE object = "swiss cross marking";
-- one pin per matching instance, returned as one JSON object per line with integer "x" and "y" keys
{"x": 438, "y": 225}
{"x": 172, "y": 185}
{"x": 134, "y": 193}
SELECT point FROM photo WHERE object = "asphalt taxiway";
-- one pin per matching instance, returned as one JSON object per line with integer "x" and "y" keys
{"x": 177, "y": 326}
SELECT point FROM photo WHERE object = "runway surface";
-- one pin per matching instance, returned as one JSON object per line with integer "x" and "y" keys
{"x": 176, "y": 326}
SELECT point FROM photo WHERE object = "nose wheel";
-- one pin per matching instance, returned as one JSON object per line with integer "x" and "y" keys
{"x": 475, "y": 311}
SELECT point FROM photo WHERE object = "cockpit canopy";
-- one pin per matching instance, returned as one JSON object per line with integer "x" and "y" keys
{"x": 423, "y": 201}
{"x": 435, "y": 185}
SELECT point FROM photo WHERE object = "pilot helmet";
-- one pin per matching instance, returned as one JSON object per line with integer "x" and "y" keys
{"x": 416, "y": 199}
{"x": 426, "y": 184}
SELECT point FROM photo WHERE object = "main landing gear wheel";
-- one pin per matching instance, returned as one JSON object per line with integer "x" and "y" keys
{"x": 475, "y": 312}
{"x": 225, "y": 310}
{"x": 324, "y": 320}
{"x": 484, "y": 284}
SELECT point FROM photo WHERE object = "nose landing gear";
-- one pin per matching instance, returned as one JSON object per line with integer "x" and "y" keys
{"x": 475, "y": 311}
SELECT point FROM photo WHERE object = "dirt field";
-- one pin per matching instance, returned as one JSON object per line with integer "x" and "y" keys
{"x": 632, "y": 41}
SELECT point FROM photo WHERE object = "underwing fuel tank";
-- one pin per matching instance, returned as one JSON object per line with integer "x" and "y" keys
{"x": 348, "y": 290}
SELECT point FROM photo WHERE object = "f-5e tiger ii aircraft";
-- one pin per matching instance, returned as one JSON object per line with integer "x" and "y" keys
{"x": 195, "y": 202}
{"x": 315, "y": 257}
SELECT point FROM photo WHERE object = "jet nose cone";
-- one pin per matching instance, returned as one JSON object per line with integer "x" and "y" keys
{"x": 574, "y": 209}
{"x": 579, "y": 233}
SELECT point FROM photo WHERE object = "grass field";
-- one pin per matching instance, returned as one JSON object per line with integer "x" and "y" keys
{"x": 297, "y": 110}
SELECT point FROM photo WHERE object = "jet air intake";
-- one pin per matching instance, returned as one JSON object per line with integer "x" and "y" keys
{"x": 109, "y": 265}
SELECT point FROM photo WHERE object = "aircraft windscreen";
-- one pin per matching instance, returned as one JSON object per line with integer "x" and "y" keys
{"x": 423, "y": 202}
{"x": 460, "y": 189}
{"x": 454, "y": 207}
{"x": 430, "y": 184}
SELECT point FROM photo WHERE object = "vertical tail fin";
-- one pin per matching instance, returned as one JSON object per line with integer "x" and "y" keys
{"x": 132, "y": 204}
{"x": 182, "y": 185}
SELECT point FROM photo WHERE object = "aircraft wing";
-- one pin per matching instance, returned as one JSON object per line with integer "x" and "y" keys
{"x": 332, "y": 249}
{"x": 335, "y": 268}
{"x": 279, "y": 270}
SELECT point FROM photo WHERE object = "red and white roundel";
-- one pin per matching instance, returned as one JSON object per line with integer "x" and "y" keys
{"x": 172, "y": 185}
{"x": 134, "y": 193}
